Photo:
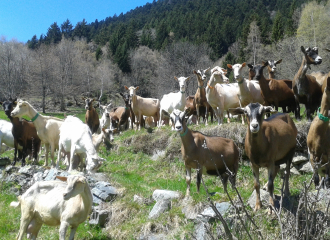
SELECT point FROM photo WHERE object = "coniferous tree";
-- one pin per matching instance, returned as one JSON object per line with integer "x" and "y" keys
{"x": 67, "y": 28}
{"x": 278, "y": 28}
{"x": 33, "y": 43}
{"x": 54, "y": 34}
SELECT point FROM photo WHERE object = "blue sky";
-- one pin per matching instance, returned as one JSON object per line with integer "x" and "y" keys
{"x": 21, "y": 19}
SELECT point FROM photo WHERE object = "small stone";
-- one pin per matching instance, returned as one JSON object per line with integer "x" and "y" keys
{"x": 160, "y": 207}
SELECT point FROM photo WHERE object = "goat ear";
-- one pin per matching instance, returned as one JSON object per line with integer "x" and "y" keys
{"x": 121, "y": 94}
{"x": 303, "y": 49}
{"x": 279, "y": 61}
{"x": 236, "y": 111}
{"x": 83, "y": 98}
{"x": 264, "y": 63}
{"x": 243, "y": 64}
{"x": 137, "y": 88}
{"x": 126, "y": 87}
{"x": 64, "y": 179}
{"x": 208, "y": 69}
{"x": 269, "y": 109}
{"x": 187, "y": 79}
{"x": 250, "y": 65}
{"x": 229, "y": 66}
{"x": 176, "y": 78}
{"x": 194, "y": 72}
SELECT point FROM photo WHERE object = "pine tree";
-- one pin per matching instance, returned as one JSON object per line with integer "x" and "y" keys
{"x": 54, "y": 34}
{"x": 67, "y": 29}
{"x": 33, "y": 43}
{"x": 278, "y": 28}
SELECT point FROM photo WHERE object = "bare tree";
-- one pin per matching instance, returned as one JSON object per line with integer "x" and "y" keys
{"x": 41, "y": 73}
{"x": 180, "y": 59}
{"x": 13, "y": 68}
{"x": 254, "y": 42}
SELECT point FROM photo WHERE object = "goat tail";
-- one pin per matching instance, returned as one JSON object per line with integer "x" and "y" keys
{"x": 15, "y": 204}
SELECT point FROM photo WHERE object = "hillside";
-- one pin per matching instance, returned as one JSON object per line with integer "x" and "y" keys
{"x": 140, "y": 162}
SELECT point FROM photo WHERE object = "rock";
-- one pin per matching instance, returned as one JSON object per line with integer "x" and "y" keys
{"x": 4, "y": 161}
{"x": 305, "y": 168}
{"x": 11, "y": 169}
{"x": 201, "y": 231}
{"x": 99, "y": 217}
{"x": 208, "y": 215}
{"x": 51, "y": 175}
{"x": 158, "y": 154}
{"x": 165, "y": 195}
{"x": 299, "y": 158}
{"x": 160, "y": 207}
{"x": 294, "y": 171}
{"x": 138, "y": 199}
{"x": 103, "y": 191}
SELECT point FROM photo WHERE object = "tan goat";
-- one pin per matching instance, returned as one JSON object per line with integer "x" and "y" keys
{"x": 54, "y": 203}
{"x": 318, "y": 138}
{"x": 204, "y": 153}
{"x": 268, "y": 143}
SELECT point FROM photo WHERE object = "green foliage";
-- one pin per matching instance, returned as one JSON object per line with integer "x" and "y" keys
{"x": 278, "y": 28}
{"x": 53, "y": 34}
{"x": 98, "y": 53}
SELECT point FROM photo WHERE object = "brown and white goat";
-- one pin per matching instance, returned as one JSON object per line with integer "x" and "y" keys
{"x": 274, "y": 92}
{"x": 268, "y": 143}
{"x": 205, "y": 153}
{"x": 24, "y": 132}
{"x": 271, "y": 67}
{"x": 318, "y": 138}
{"x": 200, "y": 97}
{"x": 305, "y": 87}
{"x": 91, "y": 117}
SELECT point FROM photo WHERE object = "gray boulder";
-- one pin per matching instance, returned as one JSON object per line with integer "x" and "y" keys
{"x": 165, "y": 195}
{"x": 208, "y": 215}
{"x": 160, "y": 207}
{"x": 103, "y": 192}
{"x": 264, "y": 197}
{"x": 299, "y": 158}
{"x": 305, "y": 168}
{"x": 99, "y": 217}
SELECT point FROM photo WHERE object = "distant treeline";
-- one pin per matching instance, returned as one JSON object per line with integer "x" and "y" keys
{"x": 218, "y": 23}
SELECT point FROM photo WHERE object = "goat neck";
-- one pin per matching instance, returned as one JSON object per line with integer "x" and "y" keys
{"x": 270, "y": 73}
{"x": 187, "y": 137}
{"x": 300, "y": 77}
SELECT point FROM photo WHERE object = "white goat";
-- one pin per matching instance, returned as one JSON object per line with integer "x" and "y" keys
{"x": 54, "y": 203}
{"x": 76, "y": 138}
{"x": 6, "y": 136}
{"x": 221, "y": 97}
{"x": 173, "y": 101}
{"x": 48, "y": 128}
{"x": 105, "y": 119}
{"x": 249, "y": 90}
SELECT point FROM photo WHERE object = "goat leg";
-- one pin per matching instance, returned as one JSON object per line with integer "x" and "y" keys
{"x": 255, "y": 170}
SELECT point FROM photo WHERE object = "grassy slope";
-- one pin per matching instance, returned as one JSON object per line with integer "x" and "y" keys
{"x": 132, "y": 170}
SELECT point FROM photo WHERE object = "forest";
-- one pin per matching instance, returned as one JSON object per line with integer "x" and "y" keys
{"x": 151, "y": 44}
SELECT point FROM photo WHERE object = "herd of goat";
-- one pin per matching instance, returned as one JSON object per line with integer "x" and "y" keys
{"x": 269, "y": 142}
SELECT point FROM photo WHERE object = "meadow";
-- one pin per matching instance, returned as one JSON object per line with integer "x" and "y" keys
{"x": 139, "y": 162}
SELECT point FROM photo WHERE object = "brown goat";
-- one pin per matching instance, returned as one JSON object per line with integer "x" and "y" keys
{"x": 268, "y": 143}
{"x": 24, "y": 132}
{"x": 305, "y": 87}
{"x": 318, "y": 138}
{"x": 271, "y": 75}
{"x": 120, "y": 115}
{"x": 205, "y": 152}
{"x": 91, "y": 117}
{"x": 200, "y": 97}
{"x": 274, "y": 92}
